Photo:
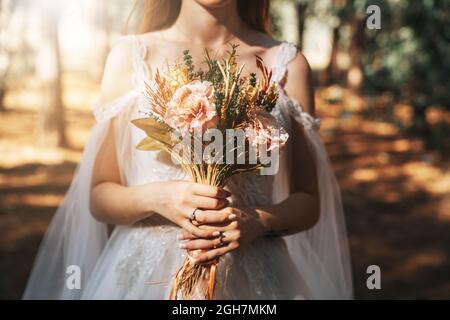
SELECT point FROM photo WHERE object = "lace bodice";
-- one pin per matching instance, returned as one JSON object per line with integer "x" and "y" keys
{"x": 249, "y": 189}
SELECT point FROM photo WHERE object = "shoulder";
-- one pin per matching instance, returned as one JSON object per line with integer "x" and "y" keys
{"x": 294, "y": 71}
{"x": 118, "y": 72}
{"x": 298, "y": 82}
{"x": 120, "y": 57}
{"x": 284, "y": 53}
{"x": 298, "y": 68}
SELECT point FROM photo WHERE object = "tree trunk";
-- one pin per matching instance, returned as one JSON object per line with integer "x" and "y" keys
{"x": 5, "y": 16}
{"x": 103, "y": 21}
{"x": 51, "y": 128}
{"x": 3, "y": 83}
{"x": 421, "y": 127}
{"x": 355, "y": 75}
{"x": 332, "y": 70}
{"x": 2, "y": 98}
{"x": 301, "y": 13}
{"x": 3, "y": 86}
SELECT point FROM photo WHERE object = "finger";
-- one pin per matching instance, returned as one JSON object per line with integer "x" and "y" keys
{"x": 210, "y": 191}
{"x": 207, "y": 203}
{"x": 216, "y": 216}
{"x": 199, "y": 233}
{"x": 201, "y": 244}
{"x": 226, "y": 228}
{"x": 185, "y": 235}
{"x": 204, "y": 257}
{"x": 232, "y": 225}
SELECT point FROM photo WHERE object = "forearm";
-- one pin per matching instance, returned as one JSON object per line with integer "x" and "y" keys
{"x": 299, "y": 212}
{"x": 120, "y": 205}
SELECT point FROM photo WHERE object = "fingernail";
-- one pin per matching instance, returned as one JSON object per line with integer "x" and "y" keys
{"x": 216, "y": 233}
{"x": 232, "y": 216}
{"x": 180, "y": 237}
{"x": 183, "y": 245}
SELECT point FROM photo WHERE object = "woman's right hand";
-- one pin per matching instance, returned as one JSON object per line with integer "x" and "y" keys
{"x": 177, "y": 200}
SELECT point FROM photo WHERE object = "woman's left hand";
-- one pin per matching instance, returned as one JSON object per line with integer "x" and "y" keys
{"x": 244, "y": 229}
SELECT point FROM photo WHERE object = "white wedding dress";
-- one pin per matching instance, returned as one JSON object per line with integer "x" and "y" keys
{"x": 140, "y": 261}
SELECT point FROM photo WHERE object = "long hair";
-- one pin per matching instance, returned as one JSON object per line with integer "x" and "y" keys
{"x": 161, "y": 14}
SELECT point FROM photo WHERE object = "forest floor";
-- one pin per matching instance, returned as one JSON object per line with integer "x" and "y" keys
{"x": 396, "y": 195}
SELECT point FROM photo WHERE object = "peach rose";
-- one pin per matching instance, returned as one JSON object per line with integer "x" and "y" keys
{"x": 191, "y": 107}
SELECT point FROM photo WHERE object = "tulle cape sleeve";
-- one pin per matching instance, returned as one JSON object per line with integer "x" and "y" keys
{"x": 75, "y": 240}
{"x": 321, "y": 254}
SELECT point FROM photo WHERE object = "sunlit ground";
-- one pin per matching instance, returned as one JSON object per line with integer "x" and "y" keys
{"x": 396, "y": 195}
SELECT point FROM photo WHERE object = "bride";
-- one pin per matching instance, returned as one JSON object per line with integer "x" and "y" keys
{"x": 129, "y": 216}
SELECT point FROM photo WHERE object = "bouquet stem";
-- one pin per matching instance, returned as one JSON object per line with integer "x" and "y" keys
{"x": 191, "y": 276}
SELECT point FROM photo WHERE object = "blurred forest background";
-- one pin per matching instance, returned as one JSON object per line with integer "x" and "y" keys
{"x": 383, "y": 95}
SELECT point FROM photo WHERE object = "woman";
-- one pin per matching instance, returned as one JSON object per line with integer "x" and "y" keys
{"x": 277, "y": 237}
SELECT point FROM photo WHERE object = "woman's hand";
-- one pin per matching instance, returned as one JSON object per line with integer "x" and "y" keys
{"x": 177, "y": 200}
{"x": 244, "y": 229}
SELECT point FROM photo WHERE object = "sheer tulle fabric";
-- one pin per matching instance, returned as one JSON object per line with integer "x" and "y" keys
{"x": 74, "y": 237}
{"x": 321, "y": 253}
{"x": 139, "y": 262}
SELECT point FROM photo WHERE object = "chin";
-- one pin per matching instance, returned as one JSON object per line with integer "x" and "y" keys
{"x": 213, "y": 3}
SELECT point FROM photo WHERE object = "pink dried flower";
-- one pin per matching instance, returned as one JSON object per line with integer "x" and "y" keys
{"x": 192, "y": 107}
{"x": 264, "y": 130}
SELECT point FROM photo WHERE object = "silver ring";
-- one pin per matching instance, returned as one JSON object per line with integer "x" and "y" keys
{"x": 221, "y": 237}
{"x": 192, "y": 216}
